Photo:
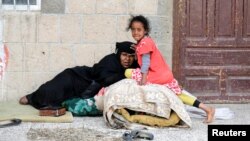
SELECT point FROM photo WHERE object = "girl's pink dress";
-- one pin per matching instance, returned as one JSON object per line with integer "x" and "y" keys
{"x": 159, "y": 72}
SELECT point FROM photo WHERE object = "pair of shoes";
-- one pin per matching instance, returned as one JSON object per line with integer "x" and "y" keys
{"x": 129, "y": 136}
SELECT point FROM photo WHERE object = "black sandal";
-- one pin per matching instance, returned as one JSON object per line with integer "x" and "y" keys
{"x": 12, "y": 122}
{"x": 129, "y": 136}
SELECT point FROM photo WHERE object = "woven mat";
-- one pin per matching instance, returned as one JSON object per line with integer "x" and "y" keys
{"x": 12, "y": 109}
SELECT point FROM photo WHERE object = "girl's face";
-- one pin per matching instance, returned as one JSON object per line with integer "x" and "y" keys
{"x": 138, "y": 30}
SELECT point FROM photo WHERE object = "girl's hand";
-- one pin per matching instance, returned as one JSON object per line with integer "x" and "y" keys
{"x": 143, "y": 82}
{"x": 133, "y": 46}
{"x": 144, "y": 79}
{"x": 140, "y": 83}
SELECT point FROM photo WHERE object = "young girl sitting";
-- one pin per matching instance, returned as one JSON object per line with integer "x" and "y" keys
{"x": 153, "y": 68}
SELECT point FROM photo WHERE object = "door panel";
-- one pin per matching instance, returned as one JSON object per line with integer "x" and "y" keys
{"x": 224, "y": 16}
{"x": 196, "y": 22}
{"x": 246, "y": 20}
{"x": 212, "y": 48}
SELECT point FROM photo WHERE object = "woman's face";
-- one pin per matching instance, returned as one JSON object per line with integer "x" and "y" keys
{"x": 127, "y": 59}
{"x": 137, "y": 30}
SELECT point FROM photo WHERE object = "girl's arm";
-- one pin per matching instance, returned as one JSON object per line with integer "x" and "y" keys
{"x": 144, "y": 68}
{"x": 144, "y": 79}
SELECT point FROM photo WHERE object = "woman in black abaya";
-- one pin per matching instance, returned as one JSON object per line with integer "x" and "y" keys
{"x": 83, "y": 81}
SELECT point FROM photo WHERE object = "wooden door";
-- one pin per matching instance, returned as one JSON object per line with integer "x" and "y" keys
{"x": 211, "y": 57}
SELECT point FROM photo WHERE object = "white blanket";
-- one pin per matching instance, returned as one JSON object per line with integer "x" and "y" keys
{"x": 153, "y": 99}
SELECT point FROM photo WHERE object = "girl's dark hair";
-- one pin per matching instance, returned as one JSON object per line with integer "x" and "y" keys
{"x": 141, "y": 19}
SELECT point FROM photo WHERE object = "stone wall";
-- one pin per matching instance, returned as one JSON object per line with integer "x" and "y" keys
{"x": 67, "y": 33}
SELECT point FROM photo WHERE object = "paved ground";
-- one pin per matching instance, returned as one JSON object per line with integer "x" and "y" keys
{"x": 94, "y": 129}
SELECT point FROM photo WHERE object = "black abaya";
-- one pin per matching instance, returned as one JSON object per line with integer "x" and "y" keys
{"x": 82, "y": 82}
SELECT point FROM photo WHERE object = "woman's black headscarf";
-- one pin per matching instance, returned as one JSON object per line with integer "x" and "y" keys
{"x": 109, "y": 70}
{"x": 124, "y": 47}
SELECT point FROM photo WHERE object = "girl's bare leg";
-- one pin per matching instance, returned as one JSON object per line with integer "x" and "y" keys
{"x": 209, "y": 111}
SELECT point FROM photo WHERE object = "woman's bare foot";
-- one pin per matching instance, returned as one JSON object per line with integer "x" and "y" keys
{"x": 210, "y": 115}
{"x": 23, "y": 100}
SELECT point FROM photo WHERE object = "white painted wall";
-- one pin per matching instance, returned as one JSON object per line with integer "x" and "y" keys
{"x": 43, "y": 43}
{"x": 1, "y": 23}
{"x": 1, "y": 30}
